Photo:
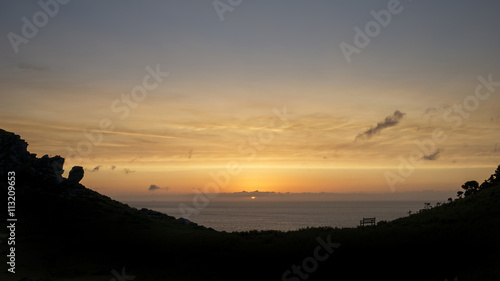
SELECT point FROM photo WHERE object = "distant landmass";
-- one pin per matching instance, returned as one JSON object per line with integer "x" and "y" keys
{"x": 58, "y": 229}
{"x": 431, "y": 195}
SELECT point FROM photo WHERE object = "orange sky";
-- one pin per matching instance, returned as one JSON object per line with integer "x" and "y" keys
{"x": 175, "y": 95}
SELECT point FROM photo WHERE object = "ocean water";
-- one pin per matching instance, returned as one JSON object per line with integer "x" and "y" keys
{"x": 244, "y": 216}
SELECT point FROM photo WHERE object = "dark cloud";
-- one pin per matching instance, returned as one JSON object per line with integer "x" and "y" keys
{"x": 113, "y": 167}
{"x": 29, "y": 66}
{"x": 96, "y": 169}
{"x": 255, "y": 193}
{"x": 322, "y": 196}
{"x": 154, "y": 187}
{"x": 128, "y": 171}
{"x": 391, "y": 120}
{"x": 432, "y": 157}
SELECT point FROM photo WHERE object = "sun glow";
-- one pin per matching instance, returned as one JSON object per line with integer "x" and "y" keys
{"x": 253, "y": 197}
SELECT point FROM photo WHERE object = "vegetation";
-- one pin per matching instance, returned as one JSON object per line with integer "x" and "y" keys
{"x": 472, "y": 187}
{"x": 68, "y": 232}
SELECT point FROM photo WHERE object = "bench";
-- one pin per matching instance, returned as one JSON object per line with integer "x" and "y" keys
{"x": 367, "y": 221}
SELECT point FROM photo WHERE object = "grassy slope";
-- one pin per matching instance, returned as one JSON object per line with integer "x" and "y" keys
{"x": 89, "y": 236}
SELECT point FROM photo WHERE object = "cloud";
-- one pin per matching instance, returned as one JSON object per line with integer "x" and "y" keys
{"x": 434, "y": 111}
{"x": 432, "y": 157}
{"x": 29, "y": 66}
{"x": 96, "y": 169}
{"x": 154, "y": 187}
{"x": 113, "y": 167}
{"x": 322, "y": 196}
{"x": 391, "y": 120}
{"x": 255, "y": 193}
{"x": 128, "y": 171}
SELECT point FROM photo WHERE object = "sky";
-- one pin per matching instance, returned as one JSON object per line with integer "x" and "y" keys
{"x": 158, "y": 98}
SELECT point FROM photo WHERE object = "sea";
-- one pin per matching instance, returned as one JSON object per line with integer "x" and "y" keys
{"x": 285, "y": 216}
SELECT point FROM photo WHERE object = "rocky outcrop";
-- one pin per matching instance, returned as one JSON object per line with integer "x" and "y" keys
{"x": 14, "y": 156}
{"x": 51, "y": 168}
{"x": 44, "y": 176}
{"x": 13, "y": 151}
{"x": 76, "y": 174}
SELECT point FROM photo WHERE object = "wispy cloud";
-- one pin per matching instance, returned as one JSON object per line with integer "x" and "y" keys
{"x": 391, "y": 120}
{"x": 432, "y": 157}
{"x": 128, "y": 171}
{"x": 96, "y": 169}
{"x": 29, "y": 66}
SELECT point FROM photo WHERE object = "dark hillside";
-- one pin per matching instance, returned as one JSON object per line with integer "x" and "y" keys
{"x": 66, "y": 231}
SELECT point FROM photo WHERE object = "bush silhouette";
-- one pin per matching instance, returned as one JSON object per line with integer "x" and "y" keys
{"x": 492, "y": 180}
{"x": 470, "y": 187}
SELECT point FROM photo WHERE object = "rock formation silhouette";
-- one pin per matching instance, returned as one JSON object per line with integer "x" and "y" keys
{"x": 76, "y": 174}
{"x": 14, "y": 156}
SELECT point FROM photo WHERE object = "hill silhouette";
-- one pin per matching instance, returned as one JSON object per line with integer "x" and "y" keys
{"x": 66, "y": 231}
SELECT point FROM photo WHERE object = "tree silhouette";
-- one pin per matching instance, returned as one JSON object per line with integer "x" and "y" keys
{"x": 470, "y": 187}
{"x": 492, "y": 180}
